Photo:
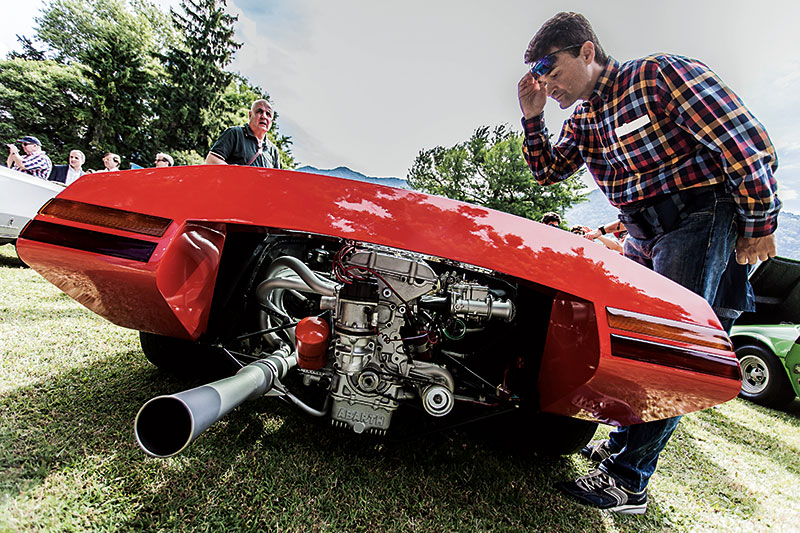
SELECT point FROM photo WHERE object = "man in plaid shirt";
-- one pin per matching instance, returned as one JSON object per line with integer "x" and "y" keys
{"x": 35, "y": 162}
{"x": 689, "y": 167}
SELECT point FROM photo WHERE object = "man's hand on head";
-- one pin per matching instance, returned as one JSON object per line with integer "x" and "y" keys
{"x": 532, "y": 96}
{"x": 751, "y": 250}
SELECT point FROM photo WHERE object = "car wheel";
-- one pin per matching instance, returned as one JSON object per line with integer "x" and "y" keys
{"x": 185, "y": 358}
{"x": 764, "y": 380}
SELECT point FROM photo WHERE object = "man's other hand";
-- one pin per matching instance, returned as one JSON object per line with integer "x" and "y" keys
{"x": 752, "y": 250}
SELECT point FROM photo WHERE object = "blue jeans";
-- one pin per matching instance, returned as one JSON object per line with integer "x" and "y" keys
{"x": 694, "y": 254}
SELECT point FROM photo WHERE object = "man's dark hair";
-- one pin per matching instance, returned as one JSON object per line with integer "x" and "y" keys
{"x": 547, "y": 218}
{"x": 564, "y": 29}
{"x": 578, "y": 230}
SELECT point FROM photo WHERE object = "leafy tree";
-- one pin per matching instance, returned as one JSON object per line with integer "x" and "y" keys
{"x": 489, "y": 170}
{"x": 45, "y": 99}
{"x": 199, "y": 98}
{"x": 126, "y": 77}
{"x": 112, "y": 45}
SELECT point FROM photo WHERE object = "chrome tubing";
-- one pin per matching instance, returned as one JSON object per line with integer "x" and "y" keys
{"x": 166, "y": 425}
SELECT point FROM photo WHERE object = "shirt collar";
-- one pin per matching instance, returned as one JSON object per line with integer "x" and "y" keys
{"x": 249, "y": 132}
{"x": 602, "y": 91}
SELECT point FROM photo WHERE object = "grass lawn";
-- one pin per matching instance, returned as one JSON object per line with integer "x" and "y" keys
{"x": 71, "y": 384}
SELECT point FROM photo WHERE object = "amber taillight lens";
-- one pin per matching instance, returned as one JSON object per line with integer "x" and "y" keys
{"x": 106, "y": 217}
{"x": 668, "y": 329}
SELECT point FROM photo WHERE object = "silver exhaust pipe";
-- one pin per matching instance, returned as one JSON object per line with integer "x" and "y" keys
{"x": 167, "y": 424}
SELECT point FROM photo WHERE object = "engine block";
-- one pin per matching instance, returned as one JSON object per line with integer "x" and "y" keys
{"x": 370, "y": 362}
{"x": 380, "y": 344}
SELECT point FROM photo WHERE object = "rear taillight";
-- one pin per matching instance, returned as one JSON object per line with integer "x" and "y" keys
{"x": 692, "y": 355}
{"x": 664, "y": 328}
{"x": 675, "y": 357}
{"x": 106, "y": 217}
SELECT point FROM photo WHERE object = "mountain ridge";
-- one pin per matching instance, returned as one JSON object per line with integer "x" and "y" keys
{"x": 348, "y": 173}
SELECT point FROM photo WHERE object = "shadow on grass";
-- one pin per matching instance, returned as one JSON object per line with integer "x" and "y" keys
{"x": 266, "y": 467}
{"x": 793, "y": 409}
{"x": 790, "y": 414}
{"x": 43, "y": 313}
{"x": 8, "y": 257}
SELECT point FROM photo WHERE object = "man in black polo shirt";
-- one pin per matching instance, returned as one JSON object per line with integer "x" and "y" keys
{"x": 247, "y": 145}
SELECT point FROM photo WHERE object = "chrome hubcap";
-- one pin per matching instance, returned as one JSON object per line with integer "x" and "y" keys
{"x": 755, "y": 374}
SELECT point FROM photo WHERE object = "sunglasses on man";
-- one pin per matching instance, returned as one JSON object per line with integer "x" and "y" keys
{"x": 546, "y": 64}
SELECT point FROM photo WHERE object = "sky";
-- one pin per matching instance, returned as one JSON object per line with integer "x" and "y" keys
{"x": 369, "y": 84}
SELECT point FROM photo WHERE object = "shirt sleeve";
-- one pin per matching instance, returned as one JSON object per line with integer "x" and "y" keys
{"x": 224, "y": 146}
{"x": 700, "y": 103}
{"x": 550, "y": 164}
{"x": 38, "y": 165}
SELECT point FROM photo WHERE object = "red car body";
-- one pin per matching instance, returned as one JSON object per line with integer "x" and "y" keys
{"x": 143, "y": 248}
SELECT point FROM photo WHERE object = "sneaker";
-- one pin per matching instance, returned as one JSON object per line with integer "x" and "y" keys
{"x": 600, "y": 490}
{"x": 597, "y": 450}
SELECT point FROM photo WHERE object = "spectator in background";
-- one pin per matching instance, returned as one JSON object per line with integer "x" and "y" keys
{"x": 611, "y": 244}
{"x": 579, "y": 230}
{"x": 111, "y": 162}
{"x": 67, "y": 174}
{"x": 614, "y": 227}
{"x": 163, "y": 160}
{"x": 248, "y": 145}
{"x": 35, "y": 162}
{"x": 551, "y": 219}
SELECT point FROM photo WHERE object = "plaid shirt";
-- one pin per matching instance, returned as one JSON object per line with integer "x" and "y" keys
{"x": 657, "y": 125}
{"x": 37, "y": 165}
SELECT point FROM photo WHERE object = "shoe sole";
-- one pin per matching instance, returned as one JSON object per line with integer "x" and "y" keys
{"x": 628, "y": 509}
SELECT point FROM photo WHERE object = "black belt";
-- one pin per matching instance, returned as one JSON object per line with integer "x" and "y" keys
{"x": 661, "y": 214}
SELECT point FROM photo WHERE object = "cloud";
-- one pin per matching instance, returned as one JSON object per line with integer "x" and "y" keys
{"x": 372, "y": 83}
{"x": 791, "y": 79}
{"x": 369, "y": 84}
{"x": 377, "y": 83}
{"x": 18, "y": 21}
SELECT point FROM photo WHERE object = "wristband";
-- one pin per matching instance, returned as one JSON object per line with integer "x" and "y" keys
{"x": 602, "y": 230}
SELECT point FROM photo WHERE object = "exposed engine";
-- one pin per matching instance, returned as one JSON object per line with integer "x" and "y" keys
{"x": 368, "y": 333}
{"x": 388, "y": 310}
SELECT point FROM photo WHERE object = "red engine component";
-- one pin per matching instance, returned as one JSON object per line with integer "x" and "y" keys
{"x": 312, "y": 335}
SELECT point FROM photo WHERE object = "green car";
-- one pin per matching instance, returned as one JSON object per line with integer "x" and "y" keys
{"x": 767, "y": 341}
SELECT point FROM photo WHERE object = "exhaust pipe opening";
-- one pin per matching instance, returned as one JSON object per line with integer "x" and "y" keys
{"x": 164, "y": 426}
{"x": 167, "y": 424}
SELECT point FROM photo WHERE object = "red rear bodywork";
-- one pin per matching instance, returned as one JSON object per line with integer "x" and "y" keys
{"x": 623, "y": 345}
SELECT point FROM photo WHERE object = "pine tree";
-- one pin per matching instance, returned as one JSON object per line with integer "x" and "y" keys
{"x": 190, "y": 100}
